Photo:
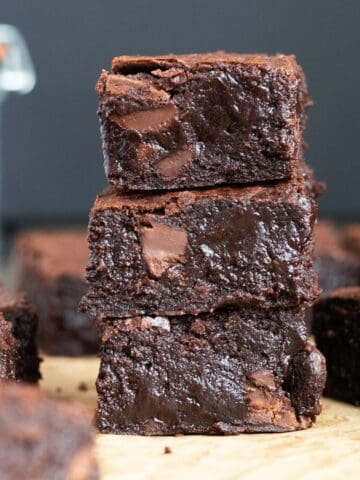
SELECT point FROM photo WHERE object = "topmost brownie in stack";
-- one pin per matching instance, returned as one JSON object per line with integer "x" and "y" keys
{"x": 185, "y": 121}
{"x": 200, "y": 293}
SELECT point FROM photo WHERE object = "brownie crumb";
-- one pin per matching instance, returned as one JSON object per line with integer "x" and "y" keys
{"x": 167, "y": 450}
{"x": 83, "y": 387}
{"x": 58, "y": 389}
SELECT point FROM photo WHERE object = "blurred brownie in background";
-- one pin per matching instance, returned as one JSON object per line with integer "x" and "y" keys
{"x": 351, "y": 238}
{"x": 18, "y": 324}
{"x": 51, "y": 269}
{"x": 336, "y": 265}
{"x": 43, "y": 438}
{"x": 336, "y": 327}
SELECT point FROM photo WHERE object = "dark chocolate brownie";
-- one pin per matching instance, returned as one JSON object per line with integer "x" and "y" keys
{"x": 42, "y": 438}
{"x": 52, "y": 271}
{"x": 185, "y": 121}
{"x": 337, "y": 331}
{"x": 336, "y": 266}
{"x": 201, "y": 250}
{"x": 351, "y": 239}
{"x": 18, "y": 324}
{"x": 227, "y": 372}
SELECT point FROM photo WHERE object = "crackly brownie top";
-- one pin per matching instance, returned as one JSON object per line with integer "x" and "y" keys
{"x": 203, "y": 61}
{"x": 294, "y": 190}
{"x": 54, "y": 253}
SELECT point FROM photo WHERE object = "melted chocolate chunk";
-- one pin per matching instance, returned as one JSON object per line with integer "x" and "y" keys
{"x": 162, "y": 246}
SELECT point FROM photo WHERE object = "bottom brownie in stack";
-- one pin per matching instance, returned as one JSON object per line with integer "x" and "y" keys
{"x": 248, "y": 370}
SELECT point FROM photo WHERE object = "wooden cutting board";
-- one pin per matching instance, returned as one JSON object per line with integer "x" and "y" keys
{"x": 329, "y": 450}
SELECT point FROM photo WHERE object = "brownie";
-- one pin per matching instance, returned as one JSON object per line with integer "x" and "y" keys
{"x": 43, "y": 438}
{"x": 336, "y": 265}
{"x": 351, "y": 239}
{"x": 51, "y": 269}
{"x": 184, "y": 121}
{"x": 18, "y": 324}
{"x": 197, "y": 251}
{"x": 337, "y": 331}
{"x": 228, "y": 372}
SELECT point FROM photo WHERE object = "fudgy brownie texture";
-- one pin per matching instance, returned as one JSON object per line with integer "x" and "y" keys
{"x": 227, "y": 372}
{"x": 336, "y": 265}
{"x": 42, "y": 438}
{"x": 18, "y": 324}
{"x": 201, "y": 250}
{"x": 185, "y": 121}
{"x": 51, "y": 269}
{"x": 337, "y": 331}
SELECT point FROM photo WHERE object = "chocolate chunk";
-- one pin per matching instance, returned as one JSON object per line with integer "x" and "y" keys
{"x": 148, "y": 120}
{"x": 162, "y": 246}
{"x": 263, "y": 378}
{"x": 171, "y": 166}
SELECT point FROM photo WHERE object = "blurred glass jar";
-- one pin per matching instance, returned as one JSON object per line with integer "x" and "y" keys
{"x": 17, "y": 74}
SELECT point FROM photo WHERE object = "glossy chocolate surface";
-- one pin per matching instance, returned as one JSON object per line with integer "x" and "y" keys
{"x": 197, "y": 251}
{"x": 186, "y": 121}
{"x": 248, "y": 370}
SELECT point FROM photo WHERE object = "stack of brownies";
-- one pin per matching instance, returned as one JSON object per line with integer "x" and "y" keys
{"x": 201, "y": 249}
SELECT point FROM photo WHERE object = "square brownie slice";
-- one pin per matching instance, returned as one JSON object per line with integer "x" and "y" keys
{"x": 51, "y": 269}
{"x": 336, "y": 328}
{"x": 227, "y": 372}
{"x": 184, "y": 121}
{"x": 18, "y": 325}
{"x": 43, "y": 438}
{"x": 201, "y": 250}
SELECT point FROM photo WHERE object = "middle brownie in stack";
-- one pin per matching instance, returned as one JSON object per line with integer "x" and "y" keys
{"x": 200, "y": 295}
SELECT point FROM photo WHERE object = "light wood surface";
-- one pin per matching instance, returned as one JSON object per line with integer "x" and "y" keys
{"x": 329, "y": 450}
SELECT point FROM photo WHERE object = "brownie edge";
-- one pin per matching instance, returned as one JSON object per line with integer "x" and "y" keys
{"x": 201, "y": 250}
{"x": 163, "y": 119}
{"x": 223, "y": 373}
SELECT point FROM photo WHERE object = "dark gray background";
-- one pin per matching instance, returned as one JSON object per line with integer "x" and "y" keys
{"x": 52, "y": 158}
